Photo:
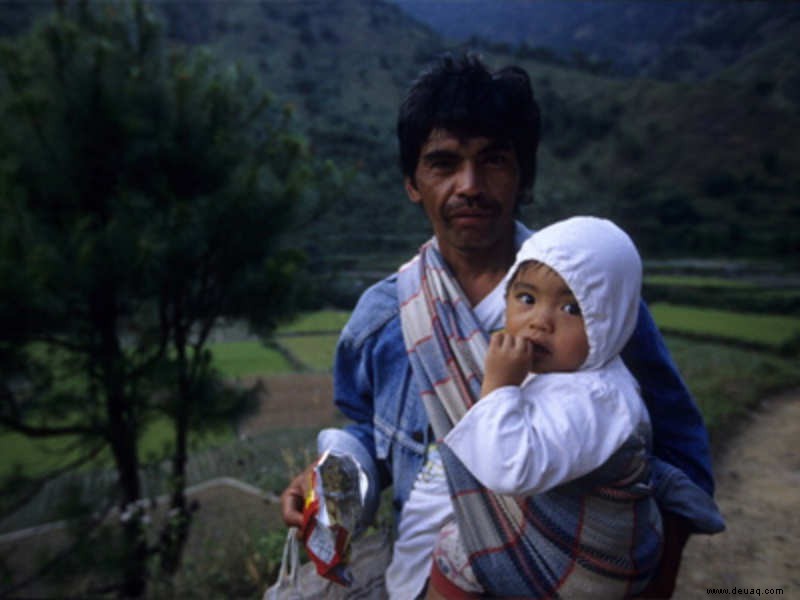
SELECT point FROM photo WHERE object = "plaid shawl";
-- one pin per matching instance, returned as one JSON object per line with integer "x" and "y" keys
{"x": 561, "y": 543}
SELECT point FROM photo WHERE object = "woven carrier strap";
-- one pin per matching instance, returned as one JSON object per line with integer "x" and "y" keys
{"x": 539, "y": 546}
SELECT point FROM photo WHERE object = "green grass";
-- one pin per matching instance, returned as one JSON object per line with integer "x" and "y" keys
{"x": 725, "y": 380}
{"x": 316, "y": 352}
{"x": 697, "y": 281}
{"x": 234, "y": 359}
{"x": 768, "y": 330}
{"x": 38, "y": 456}
{"x": 34, "y": 456}
{"x": 159, "y": 438}
{"x": 321, "y": 320}
{"x": 239, "y": 359}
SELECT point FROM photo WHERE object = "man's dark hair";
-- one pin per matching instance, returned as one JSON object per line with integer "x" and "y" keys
{"x": 462, "y": 96}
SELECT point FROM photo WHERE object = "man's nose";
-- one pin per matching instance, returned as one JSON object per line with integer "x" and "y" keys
{"x": 468, "y": 183}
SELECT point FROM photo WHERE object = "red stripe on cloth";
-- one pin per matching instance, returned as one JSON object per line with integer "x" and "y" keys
{"x": 446, "y": 588}
{"x": 427, "y": 338}
{"x": 630, "y": 554}
{"x": 442, "y": 381}
{"x": 576, "y": 549}
{"x": 410, "y": 298}
{"x": 512, "y": 533}
{"x": 579, "y": 554}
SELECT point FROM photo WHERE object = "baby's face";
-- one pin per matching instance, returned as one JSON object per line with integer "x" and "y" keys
{"x": 541, "y": 308}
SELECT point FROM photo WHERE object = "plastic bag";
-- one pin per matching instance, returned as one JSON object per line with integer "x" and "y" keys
{"x": 370, "y": 556}
{"x": 286, "y": 586}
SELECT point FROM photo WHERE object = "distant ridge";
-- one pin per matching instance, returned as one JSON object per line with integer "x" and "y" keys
{"x": 703, "y": 163}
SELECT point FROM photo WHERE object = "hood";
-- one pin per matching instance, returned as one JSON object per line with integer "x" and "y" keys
{"x": 600, "y": 264}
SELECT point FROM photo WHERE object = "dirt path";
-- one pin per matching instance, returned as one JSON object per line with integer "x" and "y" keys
{"x": 758, "y": 491}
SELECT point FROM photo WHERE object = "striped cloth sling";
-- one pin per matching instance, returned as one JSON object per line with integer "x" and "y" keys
{"x": 547, "y": 545}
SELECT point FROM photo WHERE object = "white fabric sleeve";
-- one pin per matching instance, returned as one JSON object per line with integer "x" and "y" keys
{"x": 554, "y": 429}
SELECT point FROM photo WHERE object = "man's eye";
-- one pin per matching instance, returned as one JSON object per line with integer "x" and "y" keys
{"x": 572, "y": 308}
{"x": 441, "y": 164}
{"x": 497, "y": 159}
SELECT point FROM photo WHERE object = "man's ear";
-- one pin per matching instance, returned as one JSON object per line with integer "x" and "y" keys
{"x": 412, "y": 191}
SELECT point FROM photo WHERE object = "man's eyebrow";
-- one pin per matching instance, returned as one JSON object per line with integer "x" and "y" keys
{"x": 439, "y": 154}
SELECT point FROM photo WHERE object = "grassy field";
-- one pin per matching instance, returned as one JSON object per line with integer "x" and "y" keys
{"x": 251, "y": 357}
{"x": 310, "y": 338}
{"x": 322, "y": 320}
{"x": 766, "y": 330}
{"x": 233, "y": 359}
{"x": 315, "y": 352}
{"x": 726, "y": 380}
{"x": 698, "y": 281}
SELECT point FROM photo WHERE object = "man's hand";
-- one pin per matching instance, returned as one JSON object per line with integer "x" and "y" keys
{"x": 508, "y": 362}
{"x": 293, "y": 498}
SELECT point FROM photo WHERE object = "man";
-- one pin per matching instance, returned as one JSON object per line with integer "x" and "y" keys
{"x": 468, "y": 141}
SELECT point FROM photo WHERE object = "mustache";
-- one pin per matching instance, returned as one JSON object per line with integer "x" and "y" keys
{"x": 479, "y": 203}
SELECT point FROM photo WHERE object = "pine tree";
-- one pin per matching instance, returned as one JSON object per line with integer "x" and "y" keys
{"x": 147, "y": 193}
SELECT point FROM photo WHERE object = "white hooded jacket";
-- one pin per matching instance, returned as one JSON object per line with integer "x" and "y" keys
{"x": 557, "y": 427}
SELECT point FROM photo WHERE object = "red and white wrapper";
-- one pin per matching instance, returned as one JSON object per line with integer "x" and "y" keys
{"x": 332, "y": 514}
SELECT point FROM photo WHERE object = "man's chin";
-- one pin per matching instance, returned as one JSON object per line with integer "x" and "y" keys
{"x": 475, "y": 240}
{"x": 483, "y": 232}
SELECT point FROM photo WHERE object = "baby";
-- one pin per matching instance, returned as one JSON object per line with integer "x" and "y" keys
{"x": 561, "y": 420}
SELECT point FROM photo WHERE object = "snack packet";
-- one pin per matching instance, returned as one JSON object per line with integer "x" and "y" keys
{"x": 332, "y": 514}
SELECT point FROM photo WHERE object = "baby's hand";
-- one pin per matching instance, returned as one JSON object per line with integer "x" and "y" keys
{"x": 508, "y": 362}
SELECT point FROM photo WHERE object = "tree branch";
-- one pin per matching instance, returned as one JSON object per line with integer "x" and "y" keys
{"x": 40, "y": 482}
{"x": 61, "y": 343}
{"x": 40, "y": 432}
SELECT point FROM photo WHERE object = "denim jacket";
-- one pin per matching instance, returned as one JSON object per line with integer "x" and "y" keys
{"x": 375, "y": 388}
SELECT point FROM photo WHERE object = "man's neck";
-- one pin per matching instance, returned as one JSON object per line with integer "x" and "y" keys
{"x": 479, "y": 271}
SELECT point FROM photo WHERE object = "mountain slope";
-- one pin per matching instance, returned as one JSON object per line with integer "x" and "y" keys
{"x": 706, "y": 169}
{"x": 670, "y": 39}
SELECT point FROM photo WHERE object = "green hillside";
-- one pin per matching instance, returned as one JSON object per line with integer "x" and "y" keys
{"x": 703, "y": 169}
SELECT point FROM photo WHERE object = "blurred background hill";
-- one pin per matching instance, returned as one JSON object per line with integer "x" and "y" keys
{"x": 666, "y": 39}
{"x": 681, "y": 120}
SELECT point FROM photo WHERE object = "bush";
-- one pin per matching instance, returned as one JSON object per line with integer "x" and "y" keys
{"x": 791, "y": 347}
{"x": 721, "y": 184}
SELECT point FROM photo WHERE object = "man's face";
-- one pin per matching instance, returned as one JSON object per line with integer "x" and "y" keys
{"x": 468, "y": 188}
{"x": 541, "y": 308}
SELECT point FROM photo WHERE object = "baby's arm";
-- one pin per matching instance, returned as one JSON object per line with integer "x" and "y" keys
{"x": 508, "y": 362}
{"x": 531, "y": 438}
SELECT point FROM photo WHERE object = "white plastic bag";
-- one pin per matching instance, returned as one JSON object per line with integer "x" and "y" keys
{"x": 286, "y": 587}
{"x": 370, "y": 558}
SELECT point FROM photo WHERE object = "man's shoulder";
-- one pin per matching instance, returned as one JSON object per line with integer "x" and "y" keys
{"x": 376, "y": 307}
